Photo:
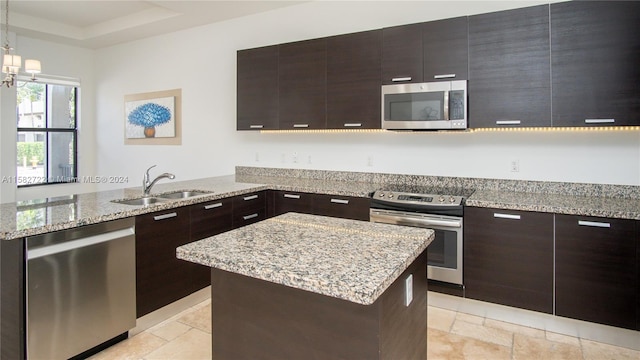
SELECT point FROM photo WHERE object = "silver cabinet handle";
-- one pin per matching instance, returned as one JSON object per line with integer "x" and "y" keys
{"x": 599, "y": 121}
{"x": 352, "y": 125}
{"x": 445, "y": 105}
{"x": 212, "y": 206}
{"x": 291, "y": 196}
{"x": 444, "y": 76}
{"x": 508, "y": 122}
{"x": 594, "y": 224}
{"x": 506, "y": 216}
{"x": 340, "y": 201}
{"x": 248, "y": 217}
{"x": 165, "y": 216}
{"x": 252, "y": 197}
{"x": 256, "y": 126}
{"x": 398, "y": 79}
{"x": 300, "y": 125}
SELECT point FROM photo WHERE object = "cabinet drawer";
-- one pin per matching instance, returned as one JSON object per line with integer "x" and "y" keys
{"x": 248, "y": 216}
{"x": 287, "y": 201}
{"x": 249, "y": 201}
{"x": 346, "y": 207}
{"x": 211, "y": 218}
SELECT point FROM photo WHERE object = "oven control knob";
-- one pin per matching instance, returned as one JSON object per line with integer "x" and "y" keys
{"x": 452, "y": 200}
{"x": 390, "y": 196}
{"x": 441, "y": 199}
{"x": 381, "y": 195}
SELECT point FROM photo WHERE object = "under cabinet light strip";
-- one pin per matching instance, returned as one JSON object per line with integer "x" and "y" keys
{"x": 466, "y": 131}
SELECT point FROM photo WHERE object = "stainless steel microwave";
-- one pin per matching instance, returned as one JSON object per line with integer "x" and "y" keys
{"x": 425, "y": 106}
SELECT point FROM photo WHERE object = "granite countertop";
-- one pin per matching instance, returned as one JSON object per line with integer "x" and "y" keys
{"x": 346, "y": 259}
{"x": 608, "y": 207}
{"x": 18, "y": 220}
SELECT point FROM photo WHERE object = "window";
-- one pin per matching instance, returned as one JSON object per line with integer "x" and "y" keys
{"x": 47, "y": 133}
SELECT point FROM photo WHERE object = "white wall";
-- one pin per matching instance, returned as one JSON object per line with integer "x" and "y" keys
{"x": 201, "y": 61}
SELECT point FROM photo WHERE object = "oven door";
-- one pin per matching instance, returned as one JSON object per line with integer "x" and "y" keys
{"x": 444, "y": 254}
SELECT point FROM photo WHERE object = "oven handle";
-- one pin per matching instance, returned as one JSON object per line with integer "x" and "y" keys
{"x": 421, "y": 222}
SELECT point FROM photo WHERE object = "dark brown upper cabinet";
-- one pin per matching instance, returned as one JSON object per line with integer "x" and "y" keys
{"x": 257, "y": 88}
{"x": 597, "y": 276}
{"x": 302, "y": 84}
{"x": 445, "y": 49}
{"x": 402, "y": 54}
{"x": 509, "y": 69}
{"x": 353, "y": 80}
{"x": 595, "y": 57}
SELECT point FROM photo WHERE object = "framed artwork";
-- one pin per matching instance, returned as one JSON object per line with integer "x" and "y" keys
{"x": 153, "y": 118}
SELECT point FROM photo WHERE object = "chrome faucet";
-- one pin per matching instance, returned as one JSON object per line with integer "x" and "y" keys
{"x": 147, "y": 185}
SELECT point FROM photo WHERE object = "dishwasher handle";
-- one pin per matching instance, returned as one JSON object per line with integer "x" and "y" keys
{"x": 78, "y": 243}
{"x": 414, "y": 221}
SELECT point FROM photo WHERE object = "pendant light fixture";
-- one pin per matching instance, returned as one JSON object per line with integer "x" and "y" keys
{"x": 11, "y": 62}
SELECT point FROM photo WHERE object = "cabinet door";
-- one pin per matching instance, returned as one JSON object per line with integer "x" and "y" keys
{"x": 249, "y": 208}
{"x": 402, "y": 54}
{"x": 446, "y": 49}
{"x": 288, "y": 201}
{"x": 257, "y": 88}
{"x": 595, "y": 52}
{"x": 596, "y": 270}
{"x": 509, "y": 71}
{"x": 303, "y": 84}
{"x": 508, "y": 258}
{"x": 353, "y": 80}
{"x": 161, "y": 278}
{"x": 208, "y": 219}
{"x": 345, "y": 207}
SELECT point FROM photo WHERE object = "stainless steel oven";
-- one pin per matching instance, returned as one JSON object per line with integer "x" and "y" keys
{"x": 428, "y": 208}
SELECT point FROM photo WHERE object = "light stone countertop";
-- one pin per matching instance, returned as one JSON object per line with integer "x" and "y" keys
{"x": 19, "y": 220}
{"x": 346, "y": 259}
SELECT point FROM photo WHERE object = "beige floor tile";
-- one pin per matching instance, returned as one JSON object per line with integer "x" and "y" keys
{"x": 598, "y": 351}
{"x": 525, "y": 348}
{"x": 199, "y": 318}
{"x": 445, "y": 346}
{"x": 473, "y": 319}
{"x": 519, "y": 329}
{"x": 192, "y": 345}
{"x": 170, "y": 330}
{"x": 133, "y": 348}
{"x": 440, "y": 319}
{"x": 482, "y": 333}
{"x": 561, "y": 338}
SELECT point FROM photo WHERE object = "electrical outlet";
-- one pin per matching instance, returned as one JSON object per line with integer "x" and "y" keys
{"x": 408, "y": 290}
{"x": 294, "y": 157}
{"x": 257, "y": 157}
{"x": 515, "y": 165}
{"x": 283, "y": 158}
{"x": 309, "y": 159}
{"x": 369, "y": 160}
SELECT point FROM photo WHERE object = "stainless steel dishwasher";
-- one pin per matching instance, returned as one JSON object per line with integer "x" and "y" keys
{"x": 81, "y": 289}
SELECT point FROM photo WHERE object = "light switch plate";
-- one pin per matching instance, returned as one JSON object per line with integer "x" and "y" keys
{"x": 408, "y": 290}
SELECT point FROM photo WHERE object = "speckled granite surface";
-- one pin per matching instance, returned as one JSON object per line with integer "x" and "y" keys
{"x": 346, "y": 259}
{"x": 615, "y": 201}
{"x": 19, "y": 220}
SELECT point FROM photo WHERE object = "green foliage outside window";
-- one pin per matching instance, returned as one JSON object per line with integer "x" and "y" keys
{"x": 29, "y": 150}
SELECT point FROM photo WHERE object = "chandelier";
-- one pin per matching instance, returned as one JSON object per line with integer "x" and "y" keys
{"x": 11, "y": 62}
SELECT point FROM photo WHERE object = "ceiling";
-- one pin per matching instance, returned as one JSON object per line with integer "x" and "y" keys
{"x": 100, "y": 23}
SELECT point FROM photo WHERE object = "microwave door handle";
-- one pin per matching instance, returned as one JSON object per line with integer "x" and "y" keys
{"x": 445, "y": 105}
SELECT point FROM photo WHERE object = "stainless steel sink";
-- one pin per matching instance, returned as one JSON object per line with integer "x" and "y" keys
{"x": 182, "y": 194}
{"x": 140, "y": 201}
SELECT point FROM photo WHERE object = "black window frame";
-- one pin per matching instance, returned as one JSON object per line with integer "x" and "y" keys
{"x": 47, "y": 130}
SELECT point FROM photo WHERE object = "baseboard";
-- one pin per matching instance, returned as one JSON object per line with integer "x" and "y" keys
{"x": 582, "y": 329}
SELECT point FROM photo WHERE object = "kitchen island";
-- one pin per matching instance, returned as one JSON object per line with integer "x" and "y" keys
{"x": 306, "y": 286}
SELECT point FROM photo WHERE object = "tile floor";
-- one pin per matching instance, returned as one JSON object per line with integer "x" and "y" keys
{"x": 451, "y": 335}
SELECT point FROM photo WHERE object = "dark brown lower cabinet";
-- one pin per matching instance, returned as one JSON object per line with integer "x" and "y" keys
{"x": 208, "y": 219}
{"x": 508, "y": 258}
{"x": 249, "y": 208}
{"x": 597, "y": 270}
{"x": 289, "y": 201}
{"x": 160, "y": 276}
{"x": 346, "y": 207}
{"x": 12, "y": 299}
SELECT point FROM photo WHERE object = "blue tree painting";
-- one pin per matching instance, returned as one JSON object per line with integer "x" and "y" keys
{"x": 149, "y": 115}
